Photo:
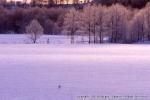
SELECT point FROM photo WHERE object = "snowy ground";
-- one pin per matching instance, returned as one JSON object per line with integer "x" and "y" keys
{"x": 53, "y": 39}
{"x": 34, "y": 72}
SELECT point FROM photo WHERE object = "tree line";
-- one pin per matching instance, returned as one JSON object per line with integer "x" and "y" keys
{"x": 132, "y": 3}
{"x": 16, "y": 20}
{"x": 116, "y": 23}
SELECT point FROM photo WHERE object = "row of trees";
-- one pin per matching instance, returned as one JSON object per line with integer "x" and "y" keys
{"x": 116, "y": 23}
{"x": 15, "y": 21}
{"x": 133, "y": 3}
{"x": 41, "y": 2}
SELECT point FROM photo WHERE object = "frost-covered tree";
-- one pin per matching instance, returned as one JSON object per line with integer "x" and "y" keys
{"x": 117, "y": 23}
{"x": 88, "y": 21}
{"x": 138, "y": 27}
{"x": 101, "y": 22}
{"x": 147, "y": 20}
{"x": 94, "y": 21}
{"x": 35, "y": 30}
{"x": 71, "y": 23}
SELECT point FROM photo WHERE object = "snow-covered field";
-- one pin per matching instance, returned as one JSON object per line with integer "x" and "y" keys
{"x": 53, "y": 39}
{"x": 66, "y": 72}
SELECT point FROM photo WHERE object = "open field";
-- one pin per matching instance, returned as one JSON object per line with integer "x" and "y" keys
{"x": 53, "y": 39}
{"x": 64, "y": 72}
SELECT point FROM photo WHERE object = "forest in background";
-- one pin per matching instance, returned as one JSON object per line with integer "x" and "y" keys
{"x": 117, "y": 23}
{"x": 55, "y": 3}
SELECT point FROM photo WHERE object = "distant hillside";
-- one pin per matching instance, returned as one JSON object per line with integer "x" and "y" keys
{"x": 133, "y": 3}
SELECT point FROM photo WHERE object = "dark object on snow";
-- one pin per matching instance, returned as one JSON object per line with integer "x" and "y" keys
{"x": 48, "y": 41}
{"x": 59, "y": 86}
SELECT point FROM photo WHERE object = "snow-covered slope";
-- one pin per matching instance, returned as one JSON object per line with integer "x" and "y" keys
{"x": 66, "y": 72}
